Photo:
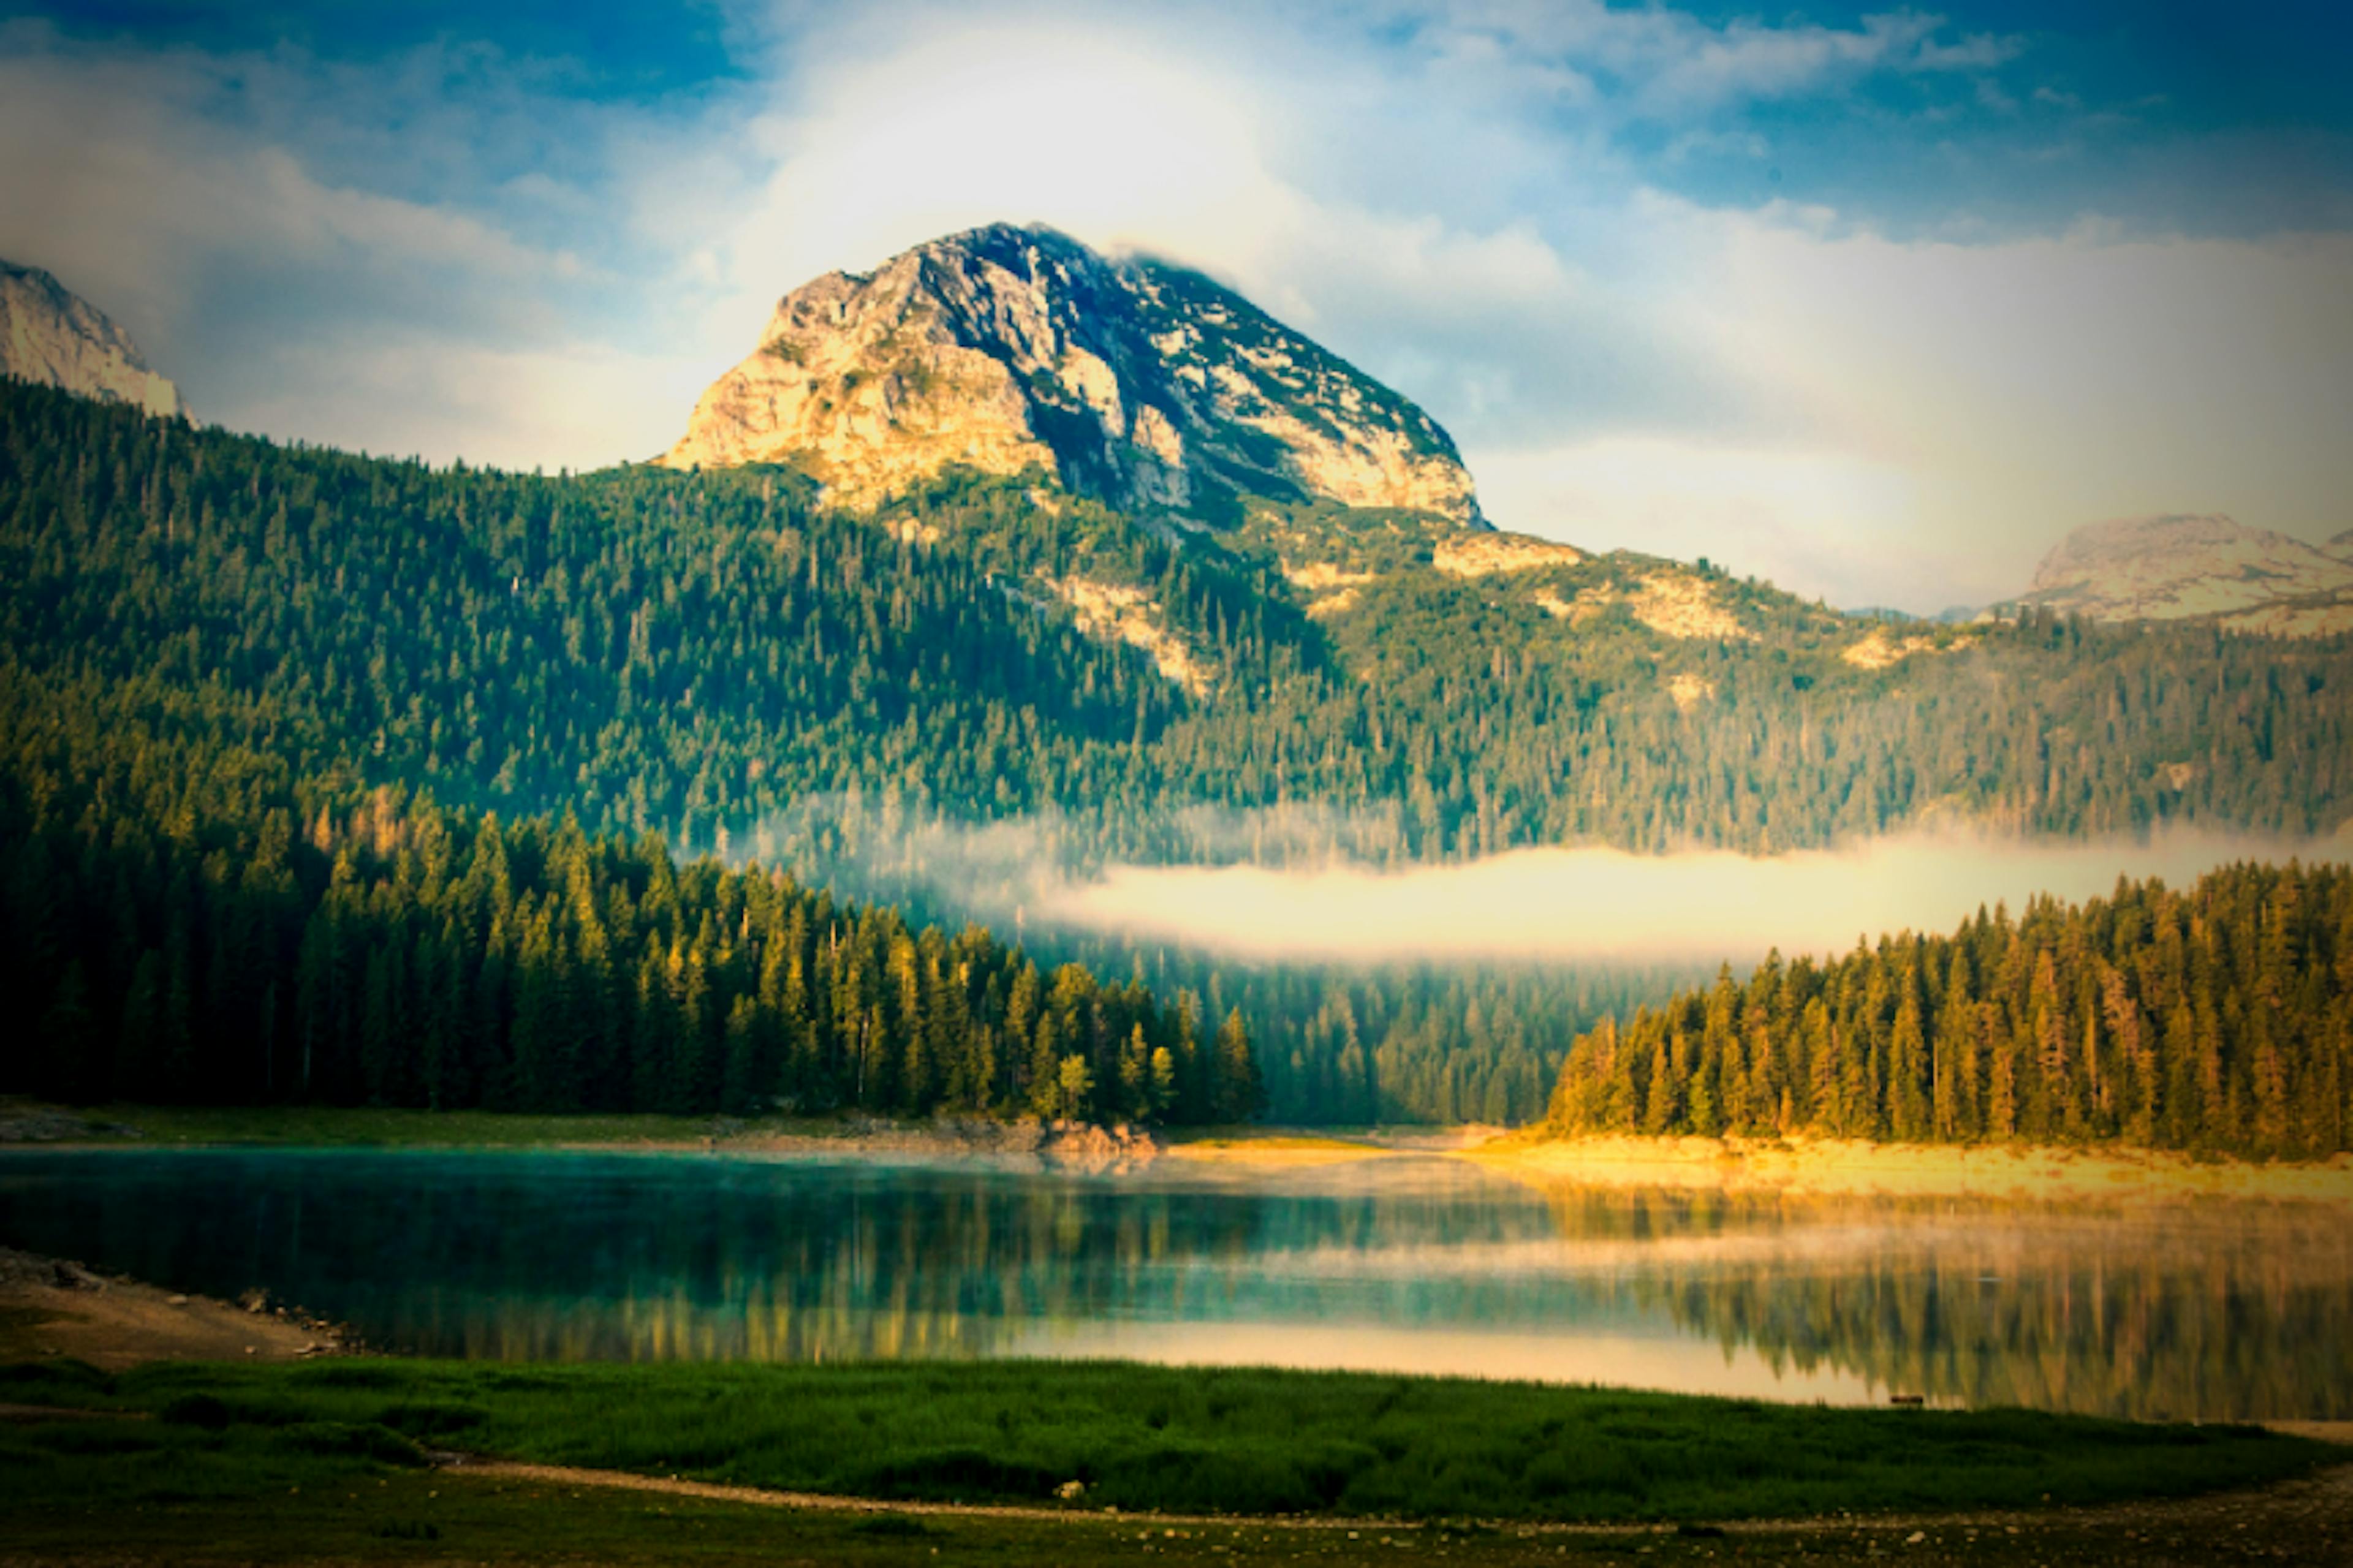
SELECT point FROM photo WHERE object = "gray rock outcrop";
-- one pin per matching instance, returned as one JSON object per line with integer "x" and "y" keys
{"x": 2175, "y": 568}
{"x": 53, "y": 337}
{"x": 1142, "y": 384}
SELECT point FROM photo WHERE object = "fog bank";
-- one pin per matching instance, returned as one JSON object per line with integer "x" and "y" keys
{"x": 1598, "y": 904}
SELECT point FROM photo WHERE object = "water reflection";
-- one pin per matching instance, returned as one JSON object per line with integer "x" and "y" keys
{"x": 2210, "y": 1310}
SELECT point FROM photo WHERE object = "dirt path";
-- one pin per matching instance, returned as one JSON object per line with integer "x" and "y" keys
{"x": 2317, "y": 1510}
{"x": 52, "y": 1308}
{"x": 835, "y": 1502}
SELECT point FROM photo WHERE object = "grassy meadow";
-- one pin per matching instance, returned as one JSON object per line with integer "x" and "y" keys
{"x": 1138, "y": 1439}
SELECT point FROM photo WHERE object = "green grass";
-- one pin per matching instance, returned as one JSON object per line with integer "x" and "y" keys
{"x": 1140, "y": 1437}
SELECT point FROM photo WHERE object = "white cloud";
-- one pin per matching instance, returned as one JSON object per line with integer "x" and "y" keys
{"x": 519, "y": 277}
{"x": 1916, "y": 423}
{"x": 1746, "y": 61}
{"x": 1812, "y": 520}
{"x": 1419, "y": 244}
{"x": 1673, "y": 66}
{"x": 574, "y": 407}
{"x": 2031, "y": 385}
{"x": 978, "y": 124}
{"x": 184, "y": 194}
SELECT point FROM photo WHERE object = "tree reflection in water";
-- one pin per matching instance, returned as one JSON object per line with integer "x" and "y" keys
{"x": 2212, "y": 1309}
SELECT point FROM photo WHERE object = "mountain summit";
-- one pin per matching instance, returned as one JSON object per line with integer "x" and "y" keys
{"x": 2173, "y": 568}
{"x": 1138, "y": 384}
{"x": 51, "y": 336}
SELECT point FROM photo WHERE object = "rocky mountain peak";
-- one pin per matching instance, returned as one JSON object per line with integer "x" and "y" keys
{"x": 2174, "y": 567}
{"x": 53, "y": 337}
{"x": 1137, "y": 383}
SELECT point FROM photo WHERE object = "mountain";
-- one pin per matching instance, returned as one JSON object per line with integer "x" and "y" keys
{"x": 1136, "y": 383}
{"x": 235, "y": 648}
{"x": 2175, "y": 568}
{"x": 54, "y": 337}
{"x": 710, "y": 656}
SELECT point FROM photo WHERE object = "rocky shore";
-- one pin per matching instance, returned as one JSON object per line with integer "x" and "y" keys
{"x": 51, "y": 1306}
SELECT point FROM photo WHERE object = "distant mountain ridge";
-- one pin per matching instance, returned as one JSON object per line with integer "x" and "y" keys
{"x": 53, "y": 337}
{"x": 1136, "y": 383}
{"x": 2182, "y": 567}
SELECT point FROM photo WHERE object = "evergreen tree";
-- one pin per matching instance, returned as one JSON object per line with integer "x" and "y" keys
{"x": 2208, "y": 1020}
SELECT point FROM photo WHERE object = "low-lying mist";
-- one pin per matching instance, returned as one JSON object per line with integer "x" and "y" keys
{"x": 1588, "y": 904}
{"x": 1607, "y": 904}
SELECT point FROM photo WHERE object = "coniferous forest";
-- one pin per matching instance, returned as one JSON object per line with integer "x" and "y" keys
{"x": 390, "y": 952}
{"x": 351, "y": 779}
{"x": 704, "y": 655}
{"x": 2217, "y": 1020}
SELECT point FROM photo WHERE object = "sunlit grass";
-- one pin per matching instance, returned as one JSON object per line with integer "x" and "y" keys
{"x": 1136, "y": 1438}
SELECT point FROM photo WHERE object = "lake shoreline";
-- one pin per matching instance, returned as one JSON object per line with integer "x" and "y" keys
{"x": 1796, "y": 1166}
{"x": 392, "y": 1451}
{"x": 58, "y": 1308}
{"x": 1854, "y": 1168}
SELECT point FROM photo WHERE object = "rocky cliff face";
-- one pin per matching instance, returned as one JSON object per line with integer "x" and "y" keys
{"x": 1139, "y": 384}
{"x": 2171, "y": 568}
{"x": 52, "y": 336}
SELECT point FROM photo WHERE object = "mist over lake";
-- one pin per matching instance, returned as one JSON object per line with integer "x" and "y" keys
{"x": 1265, "y": 892}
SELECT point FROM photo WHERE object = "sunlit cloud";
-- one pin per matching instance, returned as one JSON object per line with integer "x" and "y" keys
{"x": 1472, "y": 201}
{"x": 1917, "y": 422}
{"x": 1799, "y": 516}
{"x": 171, "y": 189}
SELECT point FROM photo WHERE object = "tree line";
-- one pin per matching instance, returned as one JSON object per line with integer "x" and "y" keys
{"x": 1357, "y": 1042}
{"x": 2215, "y": 1020}
{"x": 184, "y": 928}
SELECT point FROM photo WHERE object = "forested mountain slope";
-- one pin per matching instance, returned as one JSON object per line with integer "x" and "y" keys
{"x": 2218, "y": 1019}
{"x": 703, "y": 654}
{"x": 715, "y": 659}
{"x": 183, "y": 922}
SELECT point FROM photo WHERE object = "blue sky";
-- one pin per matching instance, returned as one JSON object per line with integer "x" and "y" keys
{"x": 1877, "y": 302}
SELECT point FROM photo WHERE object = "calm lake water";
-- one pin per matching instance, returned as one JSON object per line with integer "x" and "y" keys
{"x": 2208, "y": 1310}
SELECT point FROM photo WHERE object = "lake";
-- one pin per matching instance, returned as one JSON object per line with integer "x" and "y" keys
{"x": 2209, "y": 1309}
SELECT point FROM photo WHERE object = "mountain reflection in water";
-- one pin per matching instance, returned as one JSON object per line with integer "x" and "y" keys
{"x": 2209, "y": 1308}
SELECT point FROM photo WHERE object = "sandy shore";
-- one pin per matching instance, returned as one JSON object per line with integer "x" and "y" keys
{"x": 49, "y": 1307}
{"x": 1282, "y": 1149}
{"x": 1797, "y": 1165}
{"x": 1833, "y": 1167}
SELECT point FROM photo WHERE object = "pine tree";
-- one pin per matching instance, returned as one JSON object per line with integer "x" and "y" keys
{"x": 745, "y": 1083}
{"x": 2145, "y": 1020}
{"x": 69, "y": 1038}
{"x": 1238, "y": 1091}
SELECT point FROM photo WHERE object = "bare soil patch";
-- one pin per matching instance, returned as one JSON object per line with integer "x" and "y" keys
{"x": 52, "y": 1308}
